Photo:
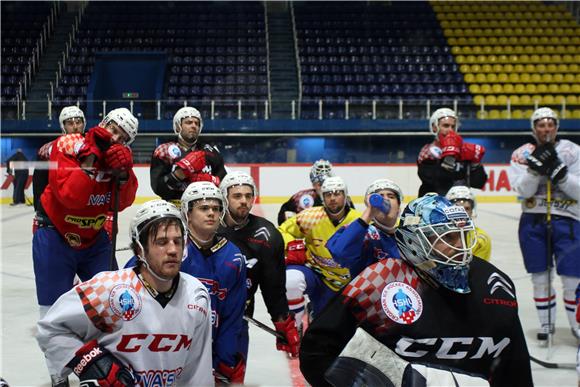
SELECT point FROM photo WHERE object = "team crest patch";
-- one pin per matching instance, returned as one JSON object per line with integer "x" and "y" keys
{"x": 401, "y": 303}
{"x": 306, "y": 201}
{"x": 174, "y": 151}
{"x": 125, "y": 302}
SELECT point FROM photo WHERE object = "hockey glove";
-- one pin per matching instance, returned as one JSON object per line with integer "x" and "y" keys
{"x": 296, "y": 252}
{"x": 96, "y": 366}
{"x": 472, "y": 152}
{"x": 542, "y": 158}
{"x": 97, "y": 141}
{"x": 119, "y": 158}
{"x": 451, "y": 145}
{"x": 192, "y": 164}
{"x": 558, "y": 171}
{"x": 291, "y": 344}
{"x": 225, "y": 374}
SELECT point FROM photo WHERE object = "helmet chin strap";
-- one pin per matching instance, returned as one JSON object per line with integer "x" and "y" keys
{"x": 236, "y": 224}
{"x": 198, "y": 239}
{"x": 384, "y": 227}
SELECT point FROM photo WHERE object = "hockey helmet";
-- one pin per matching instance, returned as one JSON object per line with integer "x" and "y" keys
{"x": 237, "y": 178}
{"x": 320, "y": 170}
{"x": 438, "y": 115}
{"x": 126, "y": 121}
{"x": 69, "y": 112}
{"x": 201, "y": 190}
{"x": 461, "y": 192}
{"x": 151, "y": 211}
{"x": 425, "y": 227}
{"x": 540, "y": 113}
{"x": 184, "y": 112}
{"x": 381, "y": 184}
{"x": 332, "y": 184}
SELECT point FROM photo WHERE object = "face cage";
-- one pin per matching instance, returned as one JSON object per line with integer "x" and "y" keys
{"x": 464, "y": 254}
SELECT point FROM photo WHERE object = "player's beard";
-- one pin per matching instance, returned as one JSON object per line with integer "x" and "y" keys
{"x": 240, "y": 214}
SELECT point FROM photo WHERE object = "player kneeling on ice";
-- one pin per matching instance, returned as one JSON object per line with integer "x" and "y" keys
{"x": 436, "y": 308}
{"x": 147, "y": 325}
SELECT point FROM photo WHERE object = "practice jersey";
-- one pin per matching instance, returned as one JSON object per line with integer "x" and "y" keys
{"x": 163, "y": 163}
{"x": 298, "y": 202}
{"x": 482, "y": 248}
{"x": 164, "y": 346}
{"x": 315, "y": 227}
{"x": 76, "y": 203}
{"x": 358, "y": 245}
{"x": 533, "y": 188}
{"x": 478, "y": 332}
{"x": 435, "y": 178}
{"x": 263, "y": 246}
{"x": 221, "y": 268}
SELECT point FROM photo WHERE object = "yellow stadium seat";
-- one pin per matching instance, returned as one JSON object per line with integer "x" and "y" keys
{"x": 560, "y": 99}
{"x": 540, "y": 68}
{"x": 528, "y": 113}
{"x": 460, "y": 59}
{"x": 469, "y": 78}
{"x": 518, "y": 114}
{"x": 553, "y": 88}
{"x": 519, "y": 68}
{"x": 536, "y": 99}
{"x": 558, "y": 77}
{"x": 576, "y": 114}
{"x": 514, "y": 77}
{"x": 490, "y": 100}
{"x": 482, "y": 115}
{"x": 478, "y": 99}
{"x": 480, "y": 78}
{"x": 474, "y": 88}
{"x": 525, "y": 78}
{"x": 486, "y": 68}
{"x": 497, "y": 67}
{"x": 526, "y": 100}
{"x": 551, "y": 68}
{"x": 531, "y": 88}
{"x": 492, "y": 77}
{"x": 548, "y": 99}
{"x": 497, "y": 88}
{"x": 486, "y": 88}
{"x": 494, "y": 114}
{"x": 514, "y": 99}
{"x": 535, "y": 78}
{"x": 502, "y": 100}
{"x": 572, "y": 99}
{"x": 565, "y": 114}
{"x": 508, "y": 68}
{"x": 563, "y": 88}
{"x": 508, "y": 88}
{"x": 541, "y": 88}
{"x": 502, "y": 77}
{"x": 570, "y": 78}
{"x": 505, "y": 114}
{"x": 530, "y": 68}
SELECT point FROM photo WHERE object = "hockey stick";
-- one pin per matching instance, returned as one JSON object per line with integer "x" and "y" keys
{"x": 549, "y": 255}
{"x": 263, "y": 326}
{"x": 563, "y": 366}
{"x": 115, "y": 229}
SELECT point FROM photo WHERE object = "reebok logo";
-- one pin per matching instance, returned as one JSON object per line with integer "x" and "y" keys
{"x": 497, "y": 282}
{"x": 86, "y": 359}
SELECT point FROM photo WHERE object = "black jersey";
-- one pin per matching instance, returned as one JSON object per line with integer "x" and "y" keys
{"x": 262, "y": 244}
{"x": 479, "y": 332}
{"x": 167, "y": 154}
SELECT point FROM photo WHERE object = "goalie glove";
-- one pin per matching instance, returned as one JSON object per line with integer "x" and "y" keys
{"x": 192, "y": 164}
{"x": 96, "y": 366}
{"x": 225, "y": 374}
{"x": 97, "y": 141}
{"x": 291, "y": 344}
{"x": 367, "y": 362}
{"x": 296, "y": 252}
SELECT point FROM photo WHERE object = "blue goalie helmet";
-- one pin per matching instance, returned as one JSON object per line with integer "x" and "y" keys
{"x": 433, "y": 236}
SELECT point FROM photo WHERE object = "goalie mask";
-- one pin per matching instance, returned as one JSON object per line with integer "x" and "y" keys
{"x": 69, "y": 112}
{"x": 201, "y": 190}
{"x": 542, "y": 113}
{"x": 462, "y": 193}
{"x": 148, "y": 214}
{"x": 438, "y": 115}
{"x": 320, "y": 170}
{"x": 125, "y": 120}
{"x": 433, "y": 236}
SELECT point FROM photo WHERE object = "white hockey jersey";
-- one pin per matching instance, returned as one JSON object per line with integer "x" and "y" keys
{"x": 164, "y": 346}
{"x": 565, "y": 195}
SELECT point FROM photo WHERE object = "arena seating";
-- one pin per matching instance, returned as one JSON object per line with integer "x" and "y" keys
{"x": 527, "y": 53}
{"x": 216, "y": 51}
{"x": 22, "y": 25}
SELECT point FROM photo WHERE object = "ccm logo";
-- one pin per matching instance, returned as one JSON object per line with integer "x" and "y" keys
{"x": 197, "y": 308}
{"x": 154, "y": 343}
{"x": 86, "y": 359}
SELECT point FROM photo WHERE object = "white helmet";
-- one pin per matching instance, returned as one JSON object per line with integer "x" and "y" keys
{"x": 543, "y": 112}
{"x": 461, "y": 192}
{"x": 150, "y": 211}
{"x": 381, "y": 184}
{"x": 334, "y": 183}
{"x": 185, "y": 112}
{"x": 201, "y": 190}
{"x": 320, "y": 170}
{"x": 126, "y": 121}
{"x": 237, "y": 178}
{"x": 439, "y": 114}
{"x": 69, "y": 112}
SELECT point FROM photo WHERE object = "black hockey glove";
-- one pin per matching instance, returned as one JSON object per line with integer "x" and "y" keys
{"x": 558, "y": 171}
{"x": 96, "y": 366}
{"x": 542, "y": 159}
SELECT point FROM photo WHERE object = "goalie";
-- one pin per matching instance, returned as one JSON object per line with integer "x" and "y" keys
{"x": 436, "y": 308}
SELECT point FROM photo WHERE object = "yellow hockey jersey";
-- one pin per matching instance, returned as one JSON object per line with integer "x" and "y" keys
{"x": 482, "y": 248}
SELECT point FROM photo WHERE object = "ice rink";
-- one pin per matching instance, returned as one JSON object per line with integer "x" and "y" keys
{"x": 22, "y": 363}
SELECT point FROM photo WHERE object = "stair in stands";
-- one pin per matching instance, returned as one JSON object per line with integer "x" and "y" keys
{"x": 36, "y": 105}
{"x": 283, "y": 69}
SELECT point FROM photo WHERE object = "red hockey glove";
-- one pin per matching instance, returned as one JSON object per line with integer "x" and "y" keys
{"x": 119, "y": 158}
{"x": 288, "y": 329}
{"x": 296, "y": 253}
{"x": 230, "y": 375}
{"x": 192, "y": 164}
{"x": 472, "y": 152}
{"x": 97, "y": 141}
{"x": 451, "y": 145}
{"x": 205, "y": 177}
{"x": 95, "y": 364}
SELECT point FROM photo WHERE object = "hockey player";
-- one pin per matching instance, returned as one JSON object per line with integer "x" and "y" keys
{"x": 461, "y": 195}
{"x": 71, "y": 240}
{"x": 448, "y": 160}
{"x": 361, "y": 243}
{"x": 436, "y": 307}
{"x": 263, "y": 246}
{"x": 310, "y": 197}
{"x": 221, "y": 267}
{"x": 149, "y": 325}
{"x": 310, "y": 268}
{"x": 547, "y": 176}
{"x": 175, "y": 164}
